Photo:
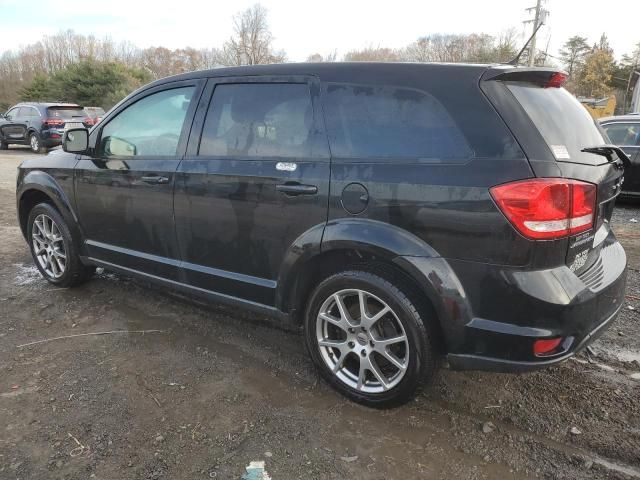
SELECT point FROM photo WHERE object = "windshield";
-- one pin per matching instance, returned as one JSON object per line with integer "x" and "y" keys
{"x": 66, "y": 112}
{"x": 562, "y": 121}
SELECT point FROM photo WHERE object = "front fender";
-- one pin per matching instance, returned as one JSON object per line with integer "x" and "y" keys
{"x": 45, "y": 183}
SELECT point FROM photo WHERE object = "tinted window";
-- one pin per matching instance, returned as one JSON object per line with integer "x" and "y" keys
{"x": 259, "y": 120}
{"x": 563, "y": 122}
{"x": 388, "y": 122}
{"x": 151, "y": 126}
{"x": 623, "y": 133}
{"x": 13, "y": 113}
{"x": 65, "y": 112}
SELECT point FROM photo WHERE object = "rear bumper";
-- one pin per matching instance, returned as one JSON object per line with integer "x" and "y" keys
{"x": 478, "y": 362}
{"x": 491, "y": 315}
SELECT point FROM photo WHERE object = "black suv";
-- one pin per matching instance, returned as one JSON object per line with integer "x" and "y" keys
{"x": 396, "y": 212}
{"x": 39, "y": 125}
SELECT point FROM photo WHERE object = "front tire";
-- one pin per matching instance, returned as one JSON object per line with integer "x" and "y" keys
{"x": 369, "y": 340}
{"x": 53, "y": 248}
{"x": 4, "y": 145}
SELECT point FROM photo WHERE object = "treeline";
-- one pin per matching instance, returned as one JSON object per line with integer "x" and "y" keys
{"x": 91, "y": 71}
{"x": 593, "y": 70}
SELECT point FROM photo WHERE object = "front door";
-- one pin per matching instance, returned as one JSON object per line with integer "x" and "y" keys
{"x": 14, "y": 127}
{"x": 253, "y": 183}
{"x": 124, "y": 190}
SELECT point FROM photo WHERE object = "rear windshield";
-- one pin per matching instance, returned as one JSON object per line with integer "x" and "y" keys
{"x": 562, "y": 121}
{"x": 66, "y": 112}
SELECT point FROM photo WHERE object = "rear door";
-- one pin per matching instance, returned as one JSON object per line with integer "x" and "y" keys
{"x": 554, "y": 128}
{"x": 254, "y": 182}
{"x": 124, "y": 190}
{"x": 626, "y": 134}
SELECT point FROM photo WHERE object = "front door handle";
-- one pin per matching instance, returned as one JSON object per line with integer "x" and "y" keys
{"x": 155, "y": 179}
{"x": 295, "y": 188}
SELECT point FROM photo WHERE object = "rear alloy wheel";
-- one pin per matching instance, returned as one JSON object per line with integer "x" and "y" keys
{"x": 54, "y": 249}
{"x": 368, "y": 339}
{"x": 35, "y": 143}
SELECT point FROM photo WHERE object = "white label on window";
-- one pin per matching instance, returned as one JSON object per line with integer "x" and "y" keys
{"x": 560, "y": 152}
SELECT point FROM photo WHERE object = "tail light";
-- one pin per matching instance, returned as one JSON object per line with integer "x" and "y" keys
{"x": 547, "y": 208}
{"x": 53, "y": 122}
{"x": 88, "y": 121}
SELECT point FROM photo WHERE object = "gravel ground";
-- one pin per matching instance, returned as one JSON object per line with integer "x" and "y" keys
{"x": 215, "y": 389}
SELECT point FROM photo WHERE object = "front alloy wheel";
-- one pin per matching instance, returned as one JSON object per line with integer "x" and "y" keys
{"x": 54, "y": 248}
{"x": 362, "y": 341}
{"x": 48, "y": 246}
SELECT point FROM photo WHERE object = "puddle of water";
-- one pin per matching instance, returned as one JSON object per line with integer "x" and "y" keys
{"x": 26, "y": 275}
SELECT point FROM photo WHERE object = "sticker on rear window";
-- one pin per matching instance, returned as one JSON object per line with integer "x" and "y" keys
{"x": 560, "y": 152}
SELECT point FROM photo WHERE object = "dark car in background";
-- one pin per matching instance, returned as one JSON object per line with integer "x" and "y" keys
{"x": 624, "y": 131}
{"x": 94, "y": 115}
{"x": 39, "y": 125}
{"x": 395, "y": 213}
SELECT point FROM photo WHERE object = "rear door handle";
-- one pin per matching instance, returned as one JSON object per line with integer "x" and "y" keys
{"x": 155, "y": 179}
{"x": 295, "y": 188}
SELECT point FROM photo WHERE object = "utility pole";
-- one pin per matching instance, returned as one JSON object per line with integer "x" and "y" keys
{"x": 540, "y": 15}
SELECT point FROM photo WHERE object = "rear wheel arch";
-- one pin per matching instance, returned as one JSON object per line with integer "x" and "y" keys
{"x": 323, "y": 265}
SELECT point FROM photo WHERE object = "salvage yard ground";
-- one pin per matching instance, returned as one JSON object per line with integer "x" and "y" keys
{"x": 207, "y": 390}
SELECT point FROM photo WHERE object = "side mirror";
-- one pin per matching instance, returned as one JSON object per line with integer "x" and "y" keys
{"x": 76, "y": 140}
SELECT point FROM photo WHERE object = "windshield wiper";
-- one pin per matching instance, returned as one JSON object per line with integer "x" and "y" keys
{"x": 608, "y": 151}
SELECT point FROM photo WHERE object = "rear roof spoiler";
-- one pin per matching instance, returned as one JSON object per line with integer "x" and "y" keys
{"x": 540, "y": 76}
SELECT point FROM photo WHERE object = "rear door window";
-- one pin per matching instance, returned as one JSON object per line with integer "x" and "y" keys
{"x": 390, "y": 123}
{"x": 563, "y": 122}
{"x": 259, "y": 120}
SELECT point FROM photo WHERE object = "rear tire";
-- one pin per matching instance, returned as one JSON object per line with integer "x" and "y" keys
{"x": 380, "y": 358}
{"x": 35, "y": 143}
{"x": 53, "y": 248}
{"x": 4, "y": 146}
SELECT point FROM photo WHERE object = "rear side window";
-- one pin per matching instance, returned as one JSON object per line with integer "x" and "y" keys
{"x": 66, "y": 113}
{"x": 623, "y": 134}
{"x": 258, "y": 120}
{"x": 563, "y": 122}
{"x": 390, "y": 123}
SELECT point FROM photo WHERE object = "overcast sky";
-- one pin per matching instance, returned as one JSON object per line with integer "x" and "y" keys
{"x": 301, "y": 27}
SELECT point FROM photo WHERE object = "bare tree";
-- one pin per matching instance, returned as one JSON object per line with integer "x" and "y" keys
{"x": 318, "y": 58}
{"x": 252, "y": 43}
{"x": 373, "y": 54}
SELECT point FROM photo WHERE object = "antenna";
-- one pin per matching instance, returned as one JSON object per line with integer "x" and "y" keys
{"x": 515, "y": 60}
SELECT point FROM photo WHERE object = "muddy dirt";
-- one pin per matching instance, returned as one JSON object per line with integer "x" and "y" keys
{"x": 211, "y": 389}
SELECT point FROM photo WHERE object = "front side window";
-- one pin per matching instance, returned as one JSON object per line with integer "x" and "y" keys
{"x": 150, "y": 127}
{"x": 624, "y": 134}
{"x": 391, "y": 123}
{"x": 13, "y": 113}
{"x": 258, "y": 120}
